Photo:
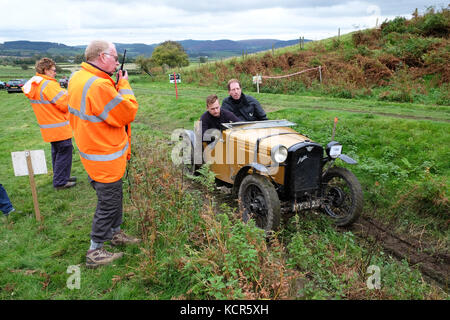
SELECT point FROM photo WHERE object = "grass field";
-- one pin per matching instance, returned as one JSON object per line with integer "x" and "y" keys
{"x": 195, "y": 247}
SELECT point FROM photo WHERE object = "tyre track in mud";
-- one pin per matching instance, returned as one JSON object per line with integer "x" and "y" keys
{"x": 435, "y": 266}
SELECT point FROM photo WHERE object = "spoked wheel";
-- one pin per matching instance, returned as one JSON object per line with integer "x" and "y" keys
{"x": 188, "y": 162}
{"x": 259, "y": 201}
{"x": 187, "y": 156}
{"x": 343, "y": 196}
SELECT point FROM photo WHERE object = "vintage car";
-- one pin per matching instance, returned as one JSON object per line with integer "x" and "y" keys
{"x": 275, "y": 170}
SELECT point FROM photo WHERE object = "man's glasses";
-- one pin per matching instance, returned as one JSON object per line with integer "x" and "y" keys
{"x": 115, "y": 57}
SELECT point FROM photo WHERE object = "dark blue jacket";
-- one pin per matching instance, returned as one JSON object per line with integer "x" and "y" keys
{"x": 246, "y": 108}
{"x": 211, "y": 122}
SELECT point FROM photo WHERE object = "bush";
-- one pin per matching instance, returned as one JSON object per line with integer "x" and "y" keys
{"x": 444, "y": 96}
{"x": 435, "y": 24}
{"x": 398, "y": 25}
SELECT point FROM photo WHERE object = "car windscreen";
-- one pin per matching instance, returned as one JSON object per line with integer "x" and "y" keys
{"x": 247, "y": 125}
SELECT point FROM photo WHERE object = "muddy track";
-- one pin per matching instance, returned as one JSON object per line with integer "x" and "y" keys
{"x": 433, "y": 265}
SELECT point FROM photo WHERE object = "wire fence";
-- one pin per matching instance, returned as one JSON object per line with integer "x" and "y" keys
{"x": 258, "y": 78}
{"x": 294, "y": 74}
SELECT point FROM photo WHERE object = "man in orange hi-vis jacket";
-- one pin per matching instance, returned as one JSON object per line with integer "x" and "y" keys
{"x": 100, "y": 116}
{"x": 49, "y": 102}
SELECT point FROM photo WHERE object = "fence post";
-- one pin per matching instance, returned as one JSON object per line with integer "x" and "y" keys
{"x": 257, "y": 82}
{"x": 320, "y": 73}
{"x": 33, "y": 186}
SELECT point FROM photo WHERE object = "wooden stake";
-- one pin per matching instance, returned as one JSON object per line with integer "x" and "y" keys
{"x": 176, "y": 89}
{"x": 33, "y": 186}
{"x": 334, "y": 128}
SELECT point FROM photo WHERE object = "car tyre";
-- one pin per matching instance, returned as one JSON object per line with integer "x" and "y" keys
{"x": 188, "y": 164}
{"x": 343, "y": 196}
{"x": 259, "y": 200}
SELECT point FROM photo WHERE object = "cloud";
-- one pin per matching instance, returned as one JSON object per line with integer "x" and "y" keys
{"x": 79, "y": 21}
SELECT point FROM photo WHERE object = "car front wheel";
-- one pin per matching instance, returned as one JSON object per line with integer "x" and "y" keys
{"x": 259, "y": 200}
{"x": 343, "y": 196}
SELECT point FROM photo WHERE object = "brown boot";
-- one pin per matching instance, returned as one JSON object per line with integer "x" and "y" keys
{"x": 69, "y": 184}
{"x": 100, "y": 257}
{"x": 121, "y": 238}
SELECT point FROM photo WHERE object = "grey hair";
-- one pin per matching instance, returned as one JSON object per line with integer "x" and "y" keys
{"x": 96, "y": 47}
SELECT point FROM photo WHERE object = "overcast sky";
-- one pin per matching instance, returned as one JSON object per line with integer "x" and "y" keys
{"x": 77, "y": 22}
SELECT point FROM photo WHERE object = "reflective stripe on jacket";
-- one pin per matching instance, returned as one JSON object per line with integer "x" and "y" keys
{"x": 99, "y": 114}
{"x": 49, "y": 102}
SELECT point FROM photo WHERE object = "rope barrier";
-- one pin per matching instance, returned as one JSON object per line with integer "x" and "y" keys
{"x": 289, "y": 75}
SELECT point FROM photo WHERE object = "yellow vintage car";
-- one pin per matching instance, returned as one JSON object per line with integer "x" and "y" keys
{"x": 274, "y": 170}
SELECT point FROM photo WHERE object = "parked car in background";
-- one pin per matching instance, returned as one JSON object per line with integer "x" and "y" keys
{"x": 15, "y": 85}
{"x": 64, "y": 82}
{"x": 2, "y": 85}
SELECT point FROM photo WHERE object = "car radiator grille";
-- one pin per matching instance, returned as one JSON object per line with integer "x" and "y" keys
{"x": 306, "y": 169}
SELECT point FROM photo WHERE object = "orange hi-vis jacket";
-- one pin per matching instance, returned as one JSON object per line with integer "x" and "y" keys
{"x": 49, "y": 102}
{"x": 100, "y": 114}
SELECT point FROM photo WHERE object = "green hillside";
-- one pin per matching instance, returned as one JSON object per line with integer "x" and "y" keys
{"x": 403, "y": 61}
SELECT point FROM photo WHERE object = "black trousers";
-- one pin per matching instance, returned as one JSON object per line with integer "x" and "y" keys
{"x": 108, "y": 213}
{"x": 61, "y": 161}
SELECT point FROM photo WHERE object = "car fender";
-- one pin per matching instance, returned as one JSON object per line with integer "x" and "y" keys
{"x": 237, "y": 179}
{"x": 347, "y": 159}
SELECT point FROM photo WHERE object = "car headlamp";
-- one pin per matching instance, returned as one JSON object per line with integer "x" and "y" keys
{"x": 279, "y": 153}
{"x": 334, "y": 149}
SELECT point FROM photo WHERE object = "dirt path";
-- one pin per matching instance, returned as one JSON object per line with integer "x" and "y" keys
{"x": 434, "y": 265}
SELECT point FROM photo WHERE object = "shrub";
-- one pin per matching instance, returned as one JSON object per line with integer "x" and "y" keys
{"x": 435, "y": 24}
{"x": 398, "y": 25}
{"x": 369, "y": 38}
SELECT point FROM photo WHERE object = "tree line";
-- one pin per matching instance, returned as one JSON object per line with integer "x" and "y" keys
{"x": 167, "y": 54}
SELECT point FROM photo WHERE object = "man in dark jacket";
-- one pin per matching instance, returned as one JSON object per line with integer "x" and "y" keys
{"x": 245, "y": 107}
{"x": 214, "y": 116}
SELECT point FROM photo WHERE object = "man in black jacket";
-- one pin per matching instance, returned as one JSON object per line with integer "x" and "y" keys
{"x": 214, "y": 116}
{"x": 245, "y": 107}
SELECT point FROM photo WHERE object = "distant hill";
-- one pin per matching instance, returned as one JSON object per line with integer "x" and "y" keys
{"x": 25, "y": 48}
{"x": 194, "y": 48}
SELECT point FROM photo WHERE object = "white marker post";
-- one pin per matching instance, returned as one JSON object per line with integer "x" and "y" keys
{"x": 29, "y": 163}
{"x": 257, "y": 79}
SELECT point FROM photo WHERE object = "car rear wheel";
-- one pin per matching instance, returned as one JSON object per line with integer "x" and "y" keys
{"x": 189, "y": 166}
{"x": 343, "y": 196}
{"x": 259, "y": 200}
{"x": 187, "y": 156}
